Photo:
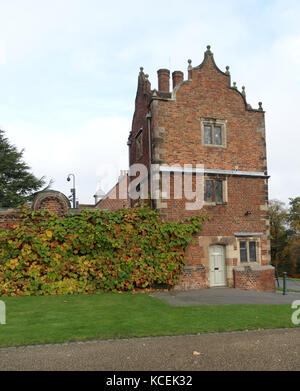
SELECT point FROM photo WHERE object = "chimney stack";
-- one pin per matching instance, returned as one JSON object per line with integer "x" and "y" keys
{"x": 177, "y": 78}
{"x": 163, "y": 80}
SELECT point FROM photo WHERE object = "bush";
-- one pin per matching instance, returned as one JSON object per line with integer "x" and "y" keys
{"x": 95, "y": 250}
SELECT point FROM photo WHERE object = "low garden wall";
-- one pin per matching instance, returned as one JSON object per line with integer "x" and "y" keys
{"x": 259, "y": 278}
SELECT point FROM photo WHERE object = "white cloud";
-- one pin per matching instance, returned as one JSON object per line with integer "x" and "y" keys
{"x": 94, "y": 151}
{"x": 3, "y": 58}
{"x": 85, "y": 57}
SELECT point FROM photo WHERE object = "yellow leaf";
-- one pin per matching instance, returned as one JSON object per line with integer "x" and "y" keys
{"x": 49, "y": 234}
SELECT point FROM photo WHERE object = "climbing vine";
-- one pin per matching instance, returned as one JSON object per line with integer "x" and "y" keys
{"x": 93, "y": 251}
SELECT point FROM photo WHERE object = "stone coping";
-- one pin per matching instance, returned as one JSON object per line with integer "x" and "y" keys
{"x": 253, "y": 268}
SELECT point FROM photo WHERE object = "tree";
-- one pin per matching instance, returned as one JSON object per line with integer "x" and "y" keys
{"x": 294, "y": 216}
{"x": 17, "y": 184}
{"x": 285, "y": 235}
{"x": 294, "y": 233}
{"x": 278, "y": 230}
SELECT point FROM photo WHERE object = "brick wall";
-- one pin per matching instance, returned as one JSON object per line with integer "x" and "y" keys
{"x": 251, "y": 278}
{"x": 193, "y": 277}
{"x": 53, "y": 201}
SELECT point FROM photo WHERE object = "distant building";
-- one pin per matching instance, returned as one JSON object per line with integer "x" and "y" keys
{"x": 99, "y": 195}
{"x": 112, "y": 200}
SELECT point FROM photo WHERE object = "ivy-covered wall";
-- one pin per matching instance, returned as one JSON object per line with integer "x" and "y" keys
{"x": 92, "y": 251}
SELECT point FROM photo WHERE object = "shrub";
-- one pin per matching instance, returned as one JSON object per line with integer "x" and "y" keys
{"x": 94, "y": 250}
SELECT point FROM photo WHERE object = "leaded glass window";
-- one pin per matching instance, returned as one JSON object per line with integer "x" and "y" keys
{"x": 219, "y": 191}
{"x": 243, "y": 251}
{"x": 248, "y": 251}
{"x": 208, "y": 135}
{"x": 213, "y": 133}
{"x": 218, "y": 135}
{"x": 214, "y": 191}
{"x": 252, "y": 251}
{"x": 209, "y": 191}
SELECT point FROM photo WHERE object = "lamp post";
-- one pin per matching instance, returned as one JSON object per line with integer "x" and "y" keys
{"x": 73, "y": 191}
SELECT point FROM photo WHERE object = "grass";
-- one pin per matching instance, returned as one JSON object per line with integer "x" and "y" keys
{"x": 56, "y": 319}
{"x": 288, "y": 290}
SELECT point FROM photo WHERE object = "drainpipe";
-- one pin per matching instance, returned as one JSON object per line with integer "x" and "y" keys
{"x": 129, "y": 144}
{"x": 149, "y": 116}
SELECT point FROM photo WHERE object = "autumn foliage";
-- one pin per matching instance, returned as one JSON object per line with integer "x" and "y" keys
{"x": 93, "y": 251}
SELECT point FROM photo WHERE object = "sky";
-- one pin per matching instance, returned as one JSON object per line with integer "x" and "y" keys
{"x": 68, "y": 77}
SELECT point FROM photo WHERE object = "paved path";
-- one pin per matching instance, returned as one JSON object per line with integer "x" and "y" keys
{"x": 290, "y": 284}
{"x": 225, "y": 295}
{"x": 270, "y": 350}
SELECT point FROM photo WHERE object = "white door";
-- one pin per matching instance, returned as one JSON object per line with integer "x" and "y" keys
{"x": 217, "y": 266}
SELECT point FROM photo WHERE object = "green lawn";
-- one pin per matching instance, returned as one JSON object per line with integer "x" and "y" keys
{"x": 51, "y": 319}
{"x": 278, "y": 288}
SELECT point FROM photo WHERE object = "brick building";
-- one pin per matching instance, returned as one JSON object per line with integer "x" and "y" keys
{"x": 206, "y": 120}
{"x": 113, "y": 200}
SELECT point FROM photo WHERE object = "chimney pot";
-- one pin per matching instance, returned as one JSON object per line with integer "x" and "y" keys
{"x": 177, "y": 77}
{"x": 163, "y": 80}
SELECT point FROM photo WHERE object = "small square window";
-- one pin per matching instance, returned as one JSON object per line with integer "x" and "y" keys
{"x": 214, "y": 191}
{"x": 213, "y": 132}
{"x": 248, "y": 251}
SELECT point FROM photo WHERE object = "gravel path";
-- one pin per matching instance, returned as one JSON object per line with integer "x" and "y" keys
{"x": 270, "y": 350}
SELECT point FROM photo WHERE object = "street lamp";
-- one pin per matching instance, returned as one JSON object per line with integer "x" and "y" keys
{"x": 73, "y": 191}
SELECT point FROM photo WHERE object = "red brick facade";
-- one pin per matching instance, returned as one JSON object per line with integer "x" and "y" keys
{"x": 175, "y": 122}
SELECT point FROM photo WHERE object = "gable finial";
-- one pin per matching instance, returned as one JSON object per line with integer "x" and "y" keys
{"x": 227, "y": 70}
{"x": 260, "y": 106}
{"x": 234, "y": 85}
{"x": 190, "y": 69}
{"x": 244, "y": 92}
{"x": 141, "y": 70}
{"x": 208, "y": 51}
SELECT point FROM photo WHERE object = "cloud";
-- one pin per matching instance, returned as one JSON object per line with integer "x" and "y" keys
{"x": 95, "y": 151}
{"x": 3, "y": 58}
{"x": 68, "y": 95}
